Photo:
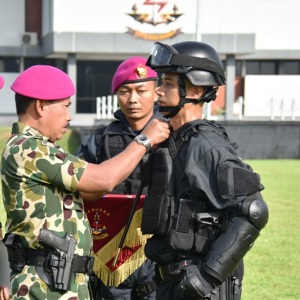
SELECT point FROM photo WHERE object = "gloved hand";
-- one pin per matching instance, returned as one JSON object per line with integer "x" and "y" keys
{"x": 194, "y": 285}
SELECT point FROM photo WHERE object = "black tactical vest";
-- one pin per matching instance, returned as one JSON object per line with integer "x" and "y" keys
{"x": 111, "y": 141}
{"x": 170, "y": 212}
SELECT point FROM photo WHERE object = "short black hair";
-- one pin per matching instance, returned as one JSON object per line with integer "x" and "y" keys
{"x": 22, "y": 103}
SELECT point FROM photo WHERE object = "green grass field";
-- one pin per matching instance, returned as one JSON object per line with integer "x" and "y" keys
{"x": 272, "y": 266}
{"x": 272, "y": 269}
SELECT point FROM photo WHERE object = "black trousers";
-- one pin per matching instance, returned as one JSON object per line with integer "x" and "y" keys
{"x": 127, "y": 289}
{"x": 231, "y": 289}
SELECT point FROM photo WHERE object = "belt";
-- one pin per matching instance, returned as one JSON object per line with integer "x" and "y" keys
{"x": 172, "y": 272}
{"x": 39, "y": 257}
{"x": 145, "y": 288}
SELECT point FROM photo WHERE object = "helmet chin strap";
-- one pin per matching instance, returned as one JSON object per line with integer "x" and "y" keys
{"x": 210, "y": 95}
{"x": 173, "y": 110}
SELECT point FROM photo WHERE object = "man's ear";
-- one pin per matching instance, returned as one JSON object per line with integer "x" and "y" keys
{"x": 40, "y": 107}
{"x": 198, "y": 91}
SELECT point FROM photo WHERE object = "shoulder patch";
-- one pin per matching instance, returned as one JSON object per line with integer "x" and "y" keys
{"x": 235, "y": 181}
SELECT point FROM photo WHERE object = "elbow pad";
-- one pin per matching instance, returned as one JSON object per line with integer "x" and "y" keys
{"x": 256, "y": 211}
{"x": 237, "y": 239}
{"x": 229, "y": 249}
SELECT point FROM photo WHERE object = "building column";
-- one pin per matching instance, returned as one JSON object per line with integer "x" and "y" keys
{"x": 72, "y": 72}
{"x": 230, "y": 86}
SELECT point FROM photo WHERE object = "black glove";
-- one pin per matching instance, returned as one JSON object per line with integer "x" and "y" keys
{"x": 194, "y": 285}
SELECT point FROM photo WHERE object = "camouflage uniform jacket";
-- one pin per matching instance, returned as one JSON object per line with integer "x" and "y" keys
{"x": 39, "y": 182}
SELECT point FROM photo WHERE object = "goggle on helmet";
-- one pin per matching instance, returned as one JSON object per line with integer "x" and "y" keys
{"x": 198, "y": 61}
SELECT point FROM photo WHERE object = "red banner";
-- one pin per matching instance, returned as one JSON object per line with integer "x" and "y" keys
{"x": 108, "y": 217}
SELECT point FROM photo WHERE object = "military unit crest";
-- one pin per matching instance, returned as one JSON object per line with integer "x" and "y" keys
{"x": 141, "y": 71}
{"x": 156, "y": 17}
{"x": 98, "y": 229}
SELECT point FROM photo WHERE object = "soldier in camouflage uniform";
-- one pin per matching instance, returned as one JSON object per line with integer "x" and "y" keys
{"x": 42, "y": 188}
{"x": 4, "y": 291}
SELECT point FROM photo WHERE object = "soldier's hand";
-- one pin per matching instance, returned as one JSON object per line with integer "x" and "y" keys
{"x": 157, "y": 131}
{"x": 194, "y": 285}
{"x": 4, "y": 293}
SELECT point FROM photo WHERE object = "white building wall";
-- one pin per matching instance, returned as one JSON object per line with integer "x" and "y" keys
{"x": 47, "y": 19}
{"x": 7, "y": 100}
{"x": 97, "y": 29}
{"x": 274, "y": 22}
{"x": 96, "y": 16}
{"x": 227, "y": 16}
{"x": 277, "y": 24}
{"x": 272, "y": 96}
{"x": 12, "y": 22}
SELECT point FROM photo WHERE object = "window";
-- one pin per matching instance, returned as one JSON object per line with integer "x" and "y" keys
{"x": 9, "y": 64}
{"x": 291, "y": 67}
{"x": 268, "y": 68}
{"x": 28, "y": 62}
{"x": 261, "y": 67}
{"x": 252, "y": 67}
{"x": 93, "y": 80}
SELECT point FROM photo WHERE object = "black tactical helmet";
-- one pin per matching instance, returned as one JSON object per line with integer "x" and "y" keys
{"x": 198, "y": 61}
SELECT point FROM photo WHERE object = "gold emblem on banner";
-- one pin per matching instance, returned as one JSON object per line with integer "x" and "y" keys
{"x": 98, "y": 229}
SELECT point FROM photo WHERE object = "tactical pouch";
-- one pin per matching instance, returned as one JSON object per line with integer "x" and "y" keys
{"x": 202, "y": 239}
{"x": 181, "y": 235}
{"x": 16, "y": 252}
{"x": 180, "y": 241}
{"x": 156, "y": 212}
{"x": 208, "y": 226}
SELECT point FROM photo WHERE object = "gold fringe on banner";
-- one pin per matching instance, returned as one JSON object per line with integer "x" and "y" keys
{"x": 105, "y": 256}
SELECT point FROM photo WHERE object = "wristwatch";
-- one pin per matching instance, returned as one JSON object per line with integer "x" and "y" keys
{"x": 142, "y": 139}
